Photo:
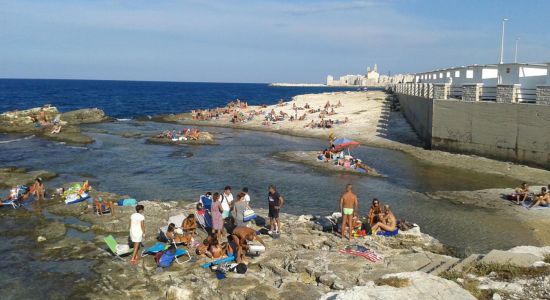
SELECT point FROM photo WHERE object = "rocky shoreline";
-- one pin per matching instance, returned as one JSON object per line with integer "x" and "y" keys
{"x": 20, "y": 122}
{"x": 205, "y": 138}
{"x": 304, "y": 262}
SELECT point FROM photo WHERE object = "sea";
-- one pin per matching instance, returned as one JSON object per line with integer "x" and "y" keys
{"x": 121, "y": 161}
{"x": 131, "y": 99}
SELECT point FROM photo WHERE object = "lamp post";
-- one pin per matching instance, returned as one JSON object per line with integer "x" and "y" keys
{"x": 516, "y": 53}
{"x": 502, "y": 42}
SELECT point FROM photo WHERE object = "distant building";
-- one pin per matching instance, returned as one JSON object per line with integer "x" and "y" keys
{"x": 372, "y": 78}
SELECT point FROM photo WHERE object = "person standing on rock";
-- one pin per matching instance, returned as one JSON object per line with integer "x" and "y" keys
{"x": 275, "y": 202}
{"x": 348, "y": 208}
{"x": 217, "y": 219}
{"x": 226, "y": 201}
{"x": 137, "y": 230}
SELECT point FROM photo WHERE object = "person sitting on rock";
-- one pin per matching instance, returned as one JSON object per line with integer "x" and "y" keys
{"x": 102, "y": 205}
{"x": 542, "y": 199}
{"x": 387, "y": 222}
{"x": 240, "y": 237}
{"x": 173, "y": 236}
{"x": 189, "y": 225}
{"x": 38, "y": 189}
{"x": 373, "y": 216}
{"x": 522, "y": 193}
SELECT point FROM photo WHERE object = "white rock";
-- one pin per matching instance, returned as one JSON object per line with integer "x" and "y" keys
{"x": 178, "y": 293}
{"x": 41, "y": 239}
{"x": 496, "y": 297}
{"x": 537, "y": 251}
{"x": 422, "y": 286}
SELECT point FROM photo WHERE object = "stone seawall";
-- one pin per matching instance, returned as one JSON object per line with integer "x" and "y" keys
{"x": 419, "y": 112}
{"x": 506, "y": 131}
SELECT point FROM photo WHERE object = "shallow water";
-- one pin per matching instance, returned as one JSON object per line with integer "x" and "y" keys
{"x": 243, "y": 158}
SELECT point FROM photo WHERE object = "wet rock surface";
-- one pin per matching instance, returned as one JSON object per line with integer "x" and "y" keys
{"x": 205, "y": 138}
{"x": 303, "y": 263}
{"x": 21, "y": 122}
{"x": 12, "y": 176}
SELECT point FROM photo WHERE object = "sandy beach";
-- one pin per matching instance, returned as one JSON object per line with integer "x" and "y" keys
{"x": 370, "y": 122}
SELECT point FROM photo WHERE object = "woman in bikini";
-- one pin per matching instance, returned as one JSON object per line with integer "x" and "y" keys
{"x": 176, "y": 238}
{"x": 542, "y": 199}
{"x": 374, "y": 212}
{"x": 189, "y": 225}
{"x": 387, "y": 222}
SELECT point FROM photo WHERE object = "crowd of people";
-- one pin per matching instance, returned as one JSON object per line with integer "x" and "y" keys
{"x": 522, "y": 194}
{"x": 183, "y": 135}
{"x": 223, "y": 219}
{"x": 235, "y": 112}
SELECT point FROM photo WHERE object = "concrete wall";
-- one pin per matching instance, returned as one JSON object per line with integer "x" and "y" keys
{"x": 418, "y": 111}
{"x": 505, "y": 131}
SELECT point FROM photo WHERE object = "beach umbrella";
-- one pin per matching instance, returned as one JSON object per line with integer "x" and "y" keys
{"x": 342, "y": 143}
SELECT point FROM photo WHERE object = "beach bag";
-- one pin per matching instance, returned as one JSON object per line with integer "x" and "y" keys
{"x": 249, "y": 215}
{"x": 165, "y": 258}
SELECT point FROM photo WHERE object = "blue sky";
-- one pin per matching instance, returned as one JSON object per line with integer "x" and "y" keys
{"x": 260, "y": 41}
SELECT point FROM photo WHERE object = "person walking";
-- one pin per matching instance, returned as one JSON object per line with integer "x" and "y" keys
{"x": 137, "y": 231}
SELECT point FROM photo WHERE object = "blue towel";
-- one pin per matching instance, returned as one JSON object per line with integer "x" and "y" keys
{"x": 388, "y": 233}
{"x": 219, "y": 261}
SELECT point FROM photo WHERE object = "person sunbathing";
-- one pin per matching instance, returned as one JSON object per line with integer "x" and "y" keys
{"x": 100, "y": 205}
{"x": 387, "y": 222}
{"x": 189, "y": 225}
{"x": 542, "y": 199}
{"x": 173, "y": 235}
{"x": 373, "y": 216}
{"x": 360, "y": 165}
{"x": 307, "y": 106}
{"x": 522, "y": 193}
{"x": 56, "y": 129}
{"x": 216, "y": 249}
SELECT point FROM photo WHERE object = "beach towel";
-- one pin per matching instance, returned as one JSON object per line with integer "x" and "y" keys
{"x": 249, "y": 215}
{"x": 361, "y": 251}
{"x": 388, "y": 233}
{"x": 538, "y": 207}
{"x": 218, "y": 261}
{"x": 127, "y": 202}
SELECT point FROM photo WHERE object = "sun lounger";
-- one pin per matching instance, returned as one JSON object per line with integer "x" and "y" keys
{"x": 10, "y": 203}
{"x": 117, "y": 249}
{"x": 158, "y": 247}
{"x": 219, "y": 261}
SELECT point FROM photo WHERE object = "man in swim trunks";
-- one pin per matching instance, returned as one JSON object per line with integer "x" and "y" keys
{"x": 348, "y": 208}
{"x": 542, "y": 199}
{"x": 522, "y": 192}
{"x": 240, "y": 237}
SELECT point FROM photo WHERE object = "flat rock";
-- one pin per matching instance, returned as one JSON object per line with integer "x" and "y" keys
{"x": 505, "y": 257}
{"x": 422, "y": 286}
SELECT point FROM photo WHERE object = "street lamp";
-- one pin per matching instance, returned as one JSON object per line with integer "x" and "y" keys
{"x": 516, "y": 54}
{"x": 502, "y": 42}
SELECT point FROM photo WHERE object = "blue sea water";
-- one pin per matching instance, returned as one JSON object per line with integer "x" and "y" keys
{"x": 129, "y": 99}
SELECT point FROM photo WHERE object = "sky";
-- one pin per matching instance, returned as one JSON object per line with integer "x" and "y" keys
{"x": 261, "y": 41}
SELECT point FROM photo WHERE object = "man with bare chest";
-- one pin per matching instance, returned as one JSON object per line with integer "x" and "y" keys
{"x": 348, "y": 208}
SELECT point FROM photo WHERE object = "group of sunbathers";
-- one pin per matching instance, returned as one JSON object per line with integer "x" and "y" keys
{"x": 183, "y": 135}
{"x": 348, "y": 162}
{"x": 522, "y": 193}
{"x": 41, "y": 120}
{"x": 21, "y": 193}
{"x": 378, "y": 217}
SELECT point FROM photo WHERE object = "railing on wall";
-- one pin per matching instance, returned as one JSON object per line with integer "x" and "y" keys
{"x": 488, "y": 93}
{"x": 526, "y": 95}
{"x": 455, "y": 92}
